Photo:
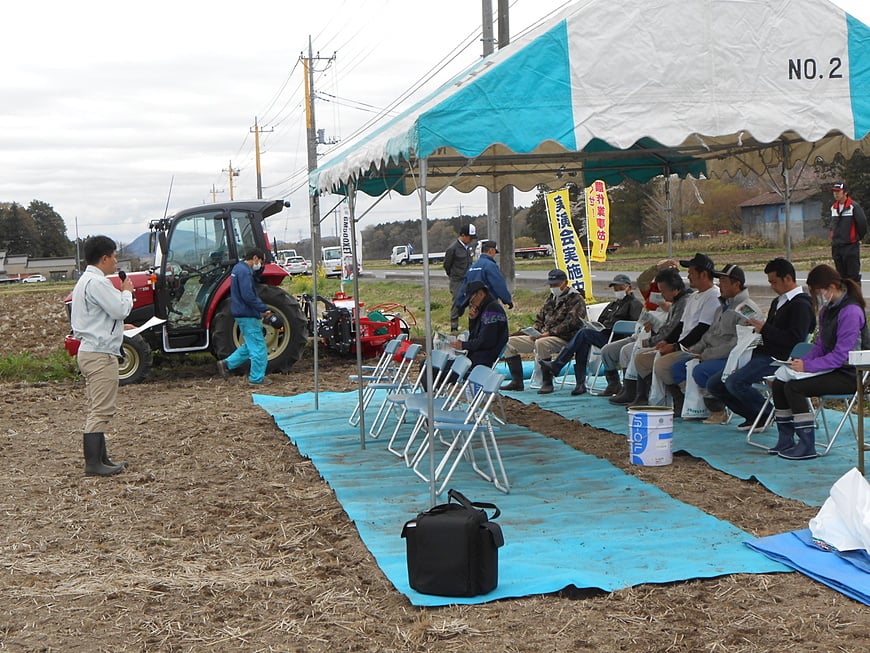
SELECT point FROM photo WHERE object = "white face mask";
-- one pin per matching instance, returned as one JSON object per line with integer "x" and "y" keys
{"x": 618, "y": 294}
{"x": 257, "y": 266}
{"x": 555, "y": 291}
{"x": 822, "y": 299}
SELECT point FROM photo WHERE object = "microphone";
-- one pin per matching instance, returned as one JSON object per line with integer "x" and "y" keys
{"x": 122, "y": 275}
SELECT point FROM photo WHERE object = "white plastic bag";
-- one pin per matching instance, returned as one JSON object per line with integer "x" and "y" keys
{"x": 693, "y": 404}
{"x": 747, "y": 340}
{"x": 843, "y": 523}
{"x": 657, "y": 394}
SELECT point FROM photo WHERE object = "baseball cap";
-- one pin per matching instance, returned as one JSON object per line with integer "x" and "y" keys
{"x": 472, "y": 288}
{"x": 734, "y": 272}
{"x": 700, "y": 262}
{"x": 488, "y": 244}
{"x": 620, "y": 280}
{"x": 468, "y": 230}
{"x": 840, "y": 186}
{"x": 556, "y": 277}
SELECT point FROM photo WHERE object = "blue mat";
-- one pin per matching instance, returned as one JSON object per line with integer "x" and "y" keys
{"x": 796, "y": 550}
{"x": 570, "y": 519}
{"x": 722, "y": 446}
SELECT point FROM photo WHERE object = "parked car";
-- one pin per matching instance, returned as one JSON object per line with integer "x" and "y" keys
{"x": 34, "y": 278}
{"x": 297, "y": 265}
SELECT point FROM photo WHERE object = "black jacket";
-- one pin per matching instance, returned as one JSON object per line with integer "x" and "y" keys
{"x": 786, "y": 327}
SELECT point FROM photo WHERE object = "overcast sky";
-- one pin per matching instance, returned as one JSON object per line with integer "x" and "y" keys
{"x": 104, "y": 104}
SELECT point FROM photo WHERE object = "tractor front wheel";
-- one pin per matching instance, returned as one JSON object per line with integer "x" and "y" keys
{"x": 135, "y": 363}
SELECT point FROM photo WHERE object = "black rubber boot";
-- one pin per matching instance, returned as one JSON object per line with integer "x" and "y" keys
{"x": 614, "y": 387}
{"x": 785, "y": 426}
{"x": 805, "y": 430}
{"x": 546, "y": 380}
{"x": 515, "y": 367}
{"x": 580, "y": 376}
{"x": 104, "y": 456}
{"x": 642, "y": 396}
{"x": 555, "y": 366}
{"x": 94, "y": 445}
{"x": 678, "y": 397}
{"x": 626, "y": 395}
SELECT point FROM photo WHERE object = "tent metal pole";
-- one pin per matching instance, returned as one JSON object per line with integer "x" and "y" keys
{"x": 351, "y": 206}
{"x": 427, "y": 307}
{"x": 669, "y": 211}
{"x": 787, "y": 197}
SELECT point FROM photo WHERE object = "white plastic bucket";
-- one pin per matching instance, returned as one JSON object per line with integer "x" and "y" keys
{"x": 650, "y": 432}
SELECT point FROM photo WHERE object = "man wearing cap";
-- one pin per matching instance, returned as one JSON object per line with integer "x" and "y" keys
{"x": 790, "y": 319}
{"x": 487, "y": 326}
{"x": 625, "y": 306}
{"x": 485, "y": 269}
{"x": 457, "y": 260}
{"x": 559, "y": 319}
{"x": 848, "y": 228}
{"x": 698, "y": 314}
{"x": 717, "y": 342}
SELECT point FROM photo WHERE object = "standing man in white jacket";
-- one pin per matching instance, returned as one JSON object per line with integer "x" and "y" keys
{"x": 97, "y": 315}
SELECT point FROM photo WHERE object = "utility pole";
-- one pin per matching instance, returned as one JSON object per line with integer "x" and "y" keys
{"x": 492, "y": 205}
{"x": 313, "y": 198}
{"x": 257, "y": 130}
{"x": 214, "y": 193}
{"x": 231, "y": 172}
{"x": 507, "y": 263}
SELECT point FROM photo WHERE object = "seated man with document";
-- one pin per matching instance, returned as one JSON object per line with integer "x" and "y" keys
{"x": 559, "y": 319}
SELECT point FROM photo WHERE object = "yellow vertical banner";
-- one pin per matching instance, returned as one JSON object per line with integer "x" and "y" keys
{"x": 566, "y": 245}
{"x": 598, "y": 220}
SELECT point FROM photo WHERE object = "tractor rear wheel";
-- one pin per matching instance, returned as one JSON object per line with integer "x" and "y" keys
{"x": 135, "y": 365}
{"x": 285, "y": 348}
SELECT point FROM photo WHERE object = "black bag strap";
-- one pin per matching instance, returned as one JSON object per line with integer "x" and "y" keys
{"x": 470, "y": 505}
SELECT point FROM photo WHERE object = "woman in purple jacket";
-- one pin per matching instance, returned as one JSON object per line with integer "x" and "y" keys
{"x": 842, "y": 328}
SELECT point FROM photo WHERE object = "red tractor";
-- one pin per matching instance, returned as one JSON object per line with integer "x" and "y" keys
{"x": 189, "y": 286}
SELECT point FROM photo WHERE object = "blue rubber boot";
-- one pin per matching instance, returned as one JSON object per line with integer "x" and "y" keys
{"x": 785, "y": 425}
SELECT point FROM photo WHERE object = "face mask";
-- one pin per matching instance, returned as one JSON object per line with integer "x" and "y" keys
{"x": 822, "y": 300}
{"x": 257, "y": 266}
{"x": 618, "y": 294}
{"x": 656, "y": 298}
{"x": 555, "y": 291}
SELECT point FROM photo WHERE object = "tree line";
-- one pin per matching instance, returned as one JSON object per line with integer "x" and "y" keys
{"x": 36, "y": 230}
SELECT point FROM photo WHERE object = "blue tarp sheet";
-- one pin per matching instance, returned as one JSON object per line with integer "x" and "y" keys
{"x": 570, "y": 518}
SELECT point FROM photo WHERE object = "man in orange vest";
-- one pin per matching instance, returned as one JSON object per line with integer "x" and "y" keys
{"x": 848, "y": 227}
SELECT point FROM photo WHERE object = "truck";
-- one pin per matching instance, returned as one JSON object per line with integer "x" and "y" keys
{"x": 402, "y": 255}
{"x": 188, "y": 290}
{"x": 540, "y": 251}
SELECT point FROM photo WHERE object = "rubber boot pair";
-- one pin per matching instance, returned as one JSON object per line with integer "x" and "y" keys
{"x": 97, "y": 461}
{"x": 614, "y": 387}
{"x": 515, "y": 367}
{"x": 626, "y": 395}
{"x": 805, "y": 430}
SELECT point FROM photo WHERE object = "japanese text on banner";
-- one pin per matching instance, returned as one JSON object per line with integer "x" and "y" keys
{"x": 598, "y": 219}
{"x": 566, "y": 246}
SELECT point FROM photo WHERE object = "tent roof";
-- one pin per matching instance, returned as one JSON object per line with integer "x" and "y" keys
{"x": 632, "y": 89}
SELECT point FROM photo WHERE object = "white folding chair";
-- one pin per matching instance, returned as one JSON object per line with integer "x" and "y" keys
{"x": 398, "y": 382}
{"x": 451, "y": 394}
{"x": 621, "y": 329}
{"x": 468, "y": 424}
{"x": 385, "y": 367}
{"x": 765, "y": 416}
{"x": 396, "y": 400}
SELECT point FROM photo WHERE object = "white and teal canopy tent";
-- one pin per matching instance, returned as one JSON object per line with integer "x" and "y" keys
{"x": 633, "y": 89}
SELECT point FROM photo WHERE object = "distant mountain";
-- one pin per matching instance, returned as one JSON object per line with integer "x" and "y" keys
{"x": 136, "y": 249}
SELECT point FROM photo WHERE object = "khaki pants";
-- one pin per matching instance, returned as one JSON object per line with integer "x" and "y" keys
{"x": 101, "y": 385}
{"x": 543, "y": 348}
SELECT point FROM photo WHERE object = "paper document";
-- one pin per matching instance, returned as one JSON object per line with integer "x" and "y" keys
{"x": 776, "y": 361}
{"x": 154, "y": 321}
{"x": 748, "y": 312}
{"x": 531, "y": 331}
{"x": 591, "y": 324}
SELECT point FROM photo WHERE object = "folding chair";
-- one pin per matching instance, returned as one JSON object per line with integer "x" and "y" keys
{"x": 378, "y": 372}
{"x": 850, "y": 401}
{"x": 467, "y": 424}
{"x": 398, "y": 382}
{"x": 622, "y": 328}
{"x": 450, "y": 395}
{"x": 764, "y": 418}
{"x": 396, "y": 400}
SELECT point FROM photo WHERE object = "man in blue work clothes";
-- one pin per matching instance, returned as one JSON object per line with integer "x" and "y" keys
{"x": 249, "y": 310}
{"x": 485, "y": 269}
